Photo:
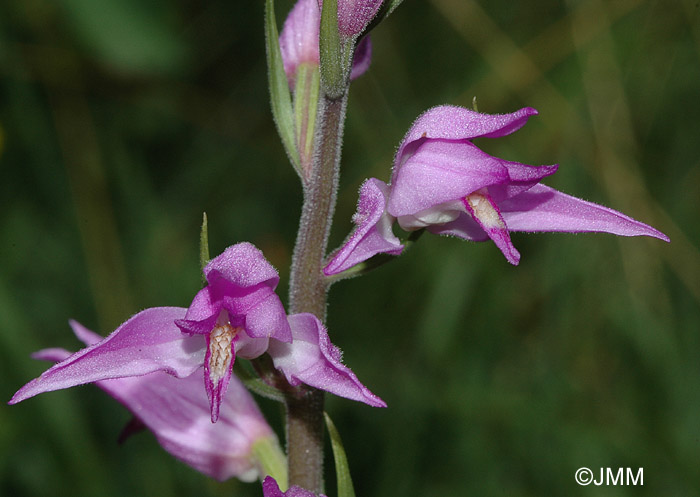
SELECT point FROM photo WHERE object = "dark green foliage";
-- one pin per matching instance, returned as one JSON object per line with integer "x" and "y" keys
{"x": 120, "y": 125}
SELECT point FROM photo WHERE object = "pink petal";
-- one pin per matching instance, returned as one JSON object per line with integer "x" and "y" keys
{"x": 439, "y": 172}
{"x": 241, "y": 282}
{"x": 542, "y": 208}
{"x": 202, "y": 314}
{"x": 457, "y": 123}
{"x": 53, "y": 354}
{"x": 242, "y": 265}
{"x": 522, "y": 177}
{"x": 463, "y": 227}
{"x": 178, "y": 413}
{"x": 271, "y": 489}
{"x": 485, "y": 212}
{"x": 268, "y": 319}
{"x": 362, "y": 58}
{"x": 373, "y": 234}
{"x": 312, "y": 359}
{"x": 147, "y": 342}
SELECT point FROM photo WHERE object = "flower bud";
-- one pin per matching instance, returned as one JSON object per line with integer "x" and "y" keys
{"x": 300, "y": 36}
{"x": 355, "y": 15}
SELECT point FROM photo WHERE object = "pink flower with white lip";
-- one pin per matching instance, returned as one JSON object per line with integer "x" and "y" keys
{"x": 175, "y": 410}
{"x": 238, "y": 313}
{"x": 444, "y": 183}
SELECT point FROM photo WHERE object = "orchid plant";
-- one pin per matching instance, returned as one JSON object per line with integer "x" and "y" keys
{"x": 186, "y": 374}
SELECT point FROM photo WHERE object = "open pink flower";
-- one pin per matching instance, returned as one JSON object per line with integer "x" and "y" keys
{"x": 442, "y": 182}
{"x": 175, "y": 410}
{"x": 238, "y": 313}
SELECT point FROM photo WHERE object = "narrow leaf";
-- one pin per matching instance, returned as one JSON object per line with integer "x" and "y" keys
{"x": 204, "y": 246}
{"x": 280, "y": 97}
{"x": 342, "y": 470}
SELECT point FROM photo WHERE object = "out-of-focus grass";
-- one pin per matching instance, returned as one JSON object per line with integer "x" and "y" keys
{"x": 121, "y": 121}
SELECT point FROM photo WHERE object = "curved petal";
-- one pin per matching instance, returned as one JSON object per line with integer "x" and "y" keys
{"x": 480, "y": 227}
{"x": 457, "y": 123}
{"x": 485, "y": 212}
{"x": 54, "y": 354}
{"x": 268, "y": 319}
{"x": 241, "y": 282}
{"x": 312, "y": 359}
{"x": 362, "y": 58}
{"x": 201, "y": 315}
{"x": 88, "y": 337}
{"x": 542, "y": 208}
{"x": 149, "y": 341}
{"x": 463, "y": 227}
{"x": 372, "y": 235}
{"x": 177, "y": 411}
{"x": 441, "y": 171}
{"x": 522, "y": 177}
{"x": 250, "y": 348}
{"x": 242, "y": 265}
{"x": 433, "y": 216}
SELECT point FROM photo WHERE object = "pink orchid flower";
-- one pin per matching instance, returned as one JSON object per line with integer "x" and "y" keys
{"x": 238, "y": 313}
{"x": 175, "y": 410}
{"x": 444, "y": 183}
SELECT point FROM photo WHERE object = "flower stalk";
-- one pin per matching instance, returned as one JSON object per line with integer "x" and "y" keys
{"x": 308, "y": 288}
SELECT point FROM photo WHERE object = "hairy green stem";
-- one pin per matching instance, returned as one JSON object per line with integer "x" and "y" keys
{"x": 308, "y": 289}
{"x": 305, "y": 440}
{"x": 307, "y": 292}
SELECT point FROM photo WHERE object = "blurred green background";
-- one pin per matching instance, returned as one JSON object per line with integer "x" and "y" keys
{"x": 122, "y": 120}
